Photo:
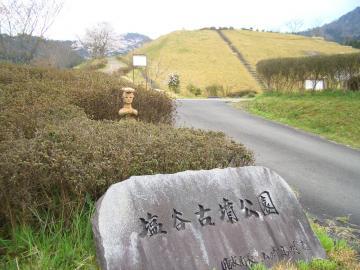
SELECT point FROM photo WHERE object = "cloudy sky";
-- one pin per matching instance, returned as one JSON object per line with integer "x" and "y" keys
{"x": 158, "y": 17}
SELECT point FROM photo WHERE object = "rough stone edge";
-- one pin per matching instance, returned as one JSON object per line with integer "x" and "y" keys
{"x": 100, "y": 251}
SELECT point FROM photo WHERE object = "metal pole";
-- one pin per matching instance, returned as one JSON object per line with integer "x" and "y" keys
{"x": 133, "y": 66}
{"x": 133, "y": 75}
{"x": 146, "y": 78}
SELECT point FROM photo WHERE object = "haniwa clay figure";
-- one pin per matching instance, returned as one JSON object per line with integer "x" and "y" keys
{"x": 128, "y": 96}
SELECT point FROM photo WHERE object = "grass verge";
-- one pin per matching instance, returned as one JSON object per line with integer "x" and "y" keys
{"x": 93, "y": 64}
{"x": 334, "y": 115}
{"x": 56, "y": 245}
{"x": 53, "y": 244}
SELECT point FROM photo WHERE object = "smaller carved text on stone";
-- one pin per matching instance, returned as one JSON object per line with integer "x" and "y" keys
{"x": 278, "y": 253}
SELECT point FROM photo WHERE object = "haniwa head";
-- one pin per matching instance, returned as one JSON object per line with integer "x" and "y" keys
{"x": 128, "y": 95}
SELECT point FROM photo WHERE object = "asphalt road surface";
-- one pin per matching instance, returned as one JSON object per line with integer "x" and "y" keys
{"x": 326, "y": 174}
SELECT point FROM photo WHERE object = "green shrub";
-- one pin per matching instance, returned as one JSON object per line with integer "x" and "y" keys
{"x": 54, "y": 151}
{"x": 245, "y": 93}
{"x": 318, "y": 264}
{"x": 353, "y": 43}
{"x": 196, "y": 91}
{"x": 215, "y": 90}
{"x": 174, "y": 83}
{"x": 354, "y": 83}
{"x": 55, "y": 170}
{"x": 289, "y": 74}
{"x": 31, "y": 97}
{"x": 102, "y": 103}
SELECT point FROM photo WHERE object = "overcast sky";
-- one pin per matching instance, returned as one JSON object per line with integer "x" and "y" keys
{"x": 158, "y": 17}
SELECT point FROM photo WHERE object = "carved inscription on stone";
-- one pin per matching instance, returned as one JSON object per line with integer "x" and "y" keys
{"x": 279, "y": 253}
{"x": 227, "y": 213}
{"x": 223, "y": 219}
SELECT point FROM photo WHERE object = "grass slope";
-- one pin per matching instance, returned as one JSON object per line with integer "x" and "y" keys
{"x": 257, "y": 46}
{"x": 202, "y": 58}
{"x": 334, "y": 115}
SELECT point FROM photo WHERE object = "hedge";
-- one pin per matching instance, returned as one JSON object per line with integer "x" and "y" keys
{"x": 31, "y": 97}
{"x": 289, "y": 74}
{"x": 60, "y": 141}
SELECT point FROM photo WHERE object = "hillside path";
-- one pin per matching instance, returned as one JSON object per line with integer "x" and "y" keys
{"x": 326, "y": 175}
{"x": 113, "y": 65}
{"x": 241, "y": 58}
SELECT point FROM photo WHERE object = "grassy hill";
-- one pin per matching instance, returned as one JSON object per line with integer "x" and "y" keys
{"x": 256, "y": 46}
{"x": 202, "y": 58}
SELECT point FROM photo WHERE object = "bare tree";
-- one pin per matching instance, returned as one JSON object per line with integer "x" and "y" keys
{"x": 155, "y": 71}
{"x": 99, "y": 40}
{"x": 26, "y": 22}
{"x": 295, "y": 25}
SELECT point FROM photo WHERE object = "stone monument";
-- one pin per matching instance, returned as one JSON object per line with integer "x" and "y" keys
{"x": 127, "y": 111}
{"x": 202, "y": 220}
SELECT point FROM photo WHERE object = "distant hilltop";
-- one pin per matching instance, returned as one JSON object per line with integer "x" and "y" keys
{"x": 344, "y": 29}
{"x": 123, "y": 44}
{"x": 60, "y": 53}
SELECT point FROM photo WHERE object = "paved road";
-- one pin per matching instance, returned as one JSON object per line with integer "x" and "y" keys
{"x": 326, "y": 175}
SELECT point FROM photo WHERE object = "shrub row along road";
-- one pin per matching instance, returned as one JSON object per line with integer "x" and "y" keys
{"x": 326, "y": 175}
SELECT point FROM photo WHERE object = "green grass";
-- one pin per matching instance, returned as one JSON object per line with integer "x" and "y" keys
{"x": 318, "y": 265}
{"x": 56, "y": 245}
{"x": 53, "y": 245}
{"x": 340, "y": 256}
{"x": 334, "y": 115}
{"x": 93, "y": 64}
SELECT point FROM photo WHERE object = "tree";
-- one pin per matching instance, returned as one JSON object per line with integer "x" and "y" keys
{"x": 155, "y": 71}
{"x": 295, "y": 25}
{"x": 354, "y": 43}
{"x": 99, "y": 40}
{"x": 23, "y": 25}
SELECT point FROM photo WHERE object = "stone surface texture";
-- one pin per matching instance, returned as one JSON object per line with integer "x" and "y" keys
{"x": 255, "y": 217}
